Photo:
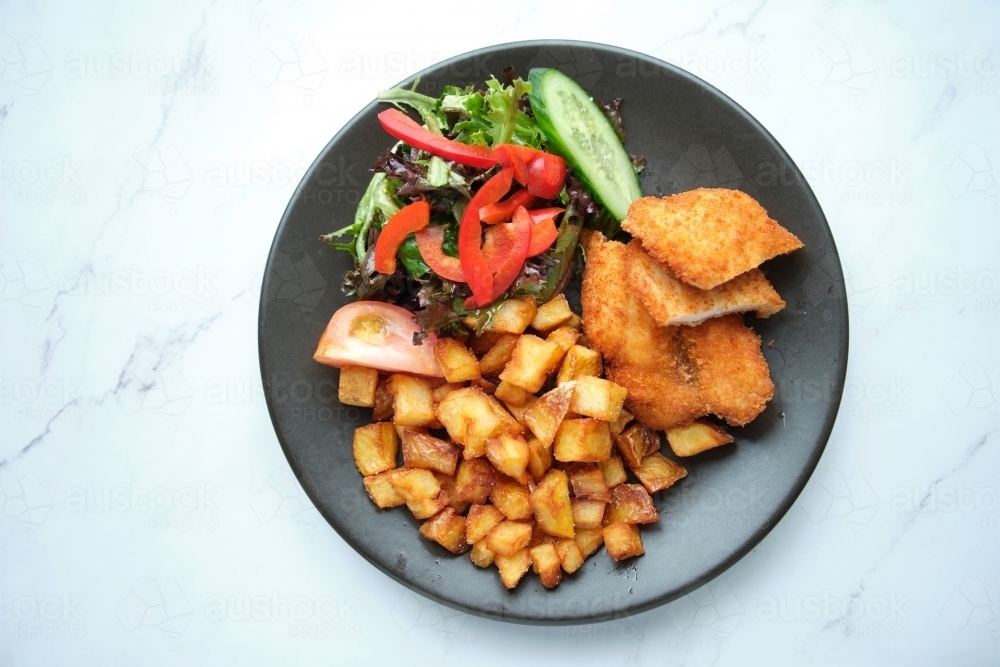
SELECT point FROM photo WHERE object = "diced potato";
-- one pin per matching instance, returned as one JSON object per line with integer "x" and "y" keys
{"x": 517, "y": 411}
{"x": 481, "y": 520}
{"x": 589, "y": 540}
{"x": 513, "y": 567}
{"x": 481, "y": 555}
{"x": 547, "y": 413}
{"x": 587, "y": 513}
{"x": 474, "y": 481}
{"x": 552, "y": 314}
{"x": 637, "y": 442}
{"x": 412, "y": 400}
{"x": 531, "y": 362}
{"x": 509, "y": 455}
{"x": 512, "y": 499}
{"x": 565, "y": 338}
{"x": 587, "y": 481}
{"x": 630, "y": 503}
{"x": 539, "y": 536}
{"x": 425, "y": 451}
{"x": 375, "y": 448}
{"x": 618, "y": 425}
{"x": 493, "y": 362}
{"x": 457, "y": 362}
{"x": 539, "y": 459}
{"x": 657, "y": 472}
{"x": 483, "y": 342}
{"x": 550, "y": 504}
{"x": 570, "y": 555}
{"x": 584, "y": 439}
{"x": 598, "y": 398}
{"x": 509, "y": 537}
{"x": 415, "y": 484}
{"x": 580, "y": 362}
{"x": 510, "y": 424}
{"x": 511, "y": 394}
{"x": 696, "y": 437}
{"x": 380, "y": 489}
{"x": 447, "y": 483}
{"x": 622, "y": 541}
{"x": 468, "y": 416}
{"x": 574, "y": 321}
{"x": 382, "y": 410}
{"x": 440, "y": 392}
{"x": 357, "y": 386}
{"x": 424, "y": 508}
{"x": 484, "y": 385}
{"x": 545, "y": 563}
{"x": 513, "y": 316}
{"x": 614, "y": 471}
{"x": 447, "y": 529}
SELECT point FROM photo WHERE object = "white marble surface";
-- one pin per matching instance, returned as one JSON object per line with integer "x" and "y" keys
{"x": 143, "y": 490}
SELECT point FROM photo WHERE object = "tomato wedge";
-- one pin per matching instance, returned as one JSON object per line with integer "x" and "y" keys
{"x": 470, "y": 230}
{"x": 429, "y": 241}
{"x": 543, "y": 174}
{"x": 404, "y": 128}
{"x": 376, "y": 335}
{"x": 502, "y": 211}
{"x": 410, "y": 218}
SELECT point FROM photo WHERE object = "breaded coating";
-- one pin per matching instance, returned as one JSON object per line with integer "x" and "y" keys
{"x": 733, "y": 377}
{"x": 660, "y": 398}
{"x": 709, "y": 235}
{"x": 671, "y": 301}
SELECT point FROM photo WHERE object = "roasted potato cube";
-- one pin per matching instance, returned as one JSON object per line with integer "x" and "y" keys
{"x": 550, "y": 504}
{"x": 480, "y": 522}
{"x": 614, "y": 471}
{"x": 483, "y": 342}
{"x": 622, "y": 541}
{"x": 517, "y": 411}
{"x": 415, "y": 484}
{"x": 547, "y": 413}
{"x": 570, "y": 555}
{"x": 457, "y": 362}
{"x": 474, "y": 481}
{"x": 565, "y": 338}
{"x": 539, "y": 536}
{"x": 584, "y": 439}
{"x": 545, "y": 563}
{"x": 511, "y": 394}
{"x": 412, "y": 400}
{"x": 513, "y": 316}
{"x": 484, "y": 385}
{"x": 657, "y": 472}
{"x": 481, "y": 555}
{"x": 598, "y": 398}
{"x": 512, "y": 567}
{"x": 637, "y": 442}
{"x": 509, "y": 455}
{"x": 552, "y": 314}
{"x": 440, "y": 392}
{"x": 493, "y": 362}
{"x": 539, "y": 459}
{"x": 423, "y": 508}
{"x": 587, "y": 513}
{"x": 447, "y": 483}
{"x": 580, "y": 362}
{"x": 380, "y": 489}
{"x": 696, "y": 437}
{"x": 447, "y": 528}
{"x": 510, "y": 424}
{"x": 574, "y": 321}
{"x": 382, "y": 410}
{"x": 589, "y": 540}
{"x": 508, "y": 537}
{"x": 425, "y": 451}
{"x": 587, "y": 482}
{"x": 468, "y": 416}
{"x": 630, "y": 503}
{"x": 357, "y": 386}
{"x": 375, "y": 448}
{"x": 618, "y": 425}
{"x": 531, "y": 362}
{"x": 512, "y": 499}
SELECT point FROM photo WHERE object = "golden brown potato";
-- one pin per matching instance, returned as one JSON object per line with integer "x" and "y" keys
{"x": 539, "y": 459}
{"x": 630, "y": 503}
{"x": 589, "y": 540}
{"x": 480, "y": 522}
{"x": 550, "y": 504}
{"x": 512, "y": 567}
{"x": 470, "y": 419}
{"x": 511, "y": 394}
{"x": 424, "y": 508}
{"x": 380, "y": 489}
{"x": 587, "y": 513}
{"x": 570, "y": 555}
{"x": 357, "y": 386}
{"x": 447, "y": 528}
{"x": 597, "y": 398}
{"x": 513, "y": 316}
{"x": 580, "y": 362}
{"x": 483, "y": 342}
{"x": 474, "y": 480}
{"x": 508, "y": 537}
{"x": 457, "y": 362}
{"x": 618, "y": 425}
{"x": 485, "y": 386}
{"x": 375, "y": 448}
{"x": 415, "y": 484}
{"x": 512, "y": 499}
{"x": 382, "y": 410}
{"x": 412, "y": 400}
{"x": 545, "y": 563}
{"x": 622, "y": 541}
{"x": 509, "y": 455}
{"x": 421, "y": 450}
{"x": 565, "y": 338}
{"x": 586, "y": 480}
{"x": 696, "y": 437}
{"x": 510, "y": 425}
{"x": 552, "y": 314}
{"x": 447, "y": 483}
{"x": 657, "y": 472}
{"x": 584, "y": 440}
{"x": 531, "y": 362}
{"x": 614, "y": 471}
{"x": 636, "y": 443}
{"x": 547, "y": 413}
{"x": 493, "y": 362}
{"x": 481, "y": 555}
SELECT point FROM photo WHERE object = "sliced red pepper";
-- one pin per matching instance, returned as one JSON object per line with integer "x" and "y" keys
{"x": 502, "y": 211}
{"x": 507, "y": 247}
{"x": 429, "y": 241}
{"x": 404, "y": 128}
{"x": 543, "y": 235}
{"x": 470, "y": 250}
{"x": 411, "y": 218}
{"x": 545, "y": 173}
{"x": 542, "y": 214}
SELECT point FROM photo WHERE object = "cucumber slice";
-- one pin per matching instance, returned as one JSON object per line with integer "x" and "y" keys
{"x": 578, "y": 130}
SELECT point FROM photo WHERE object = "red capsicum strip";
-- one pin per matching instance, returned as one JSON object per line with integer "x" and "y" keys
{"x": 506, "y": 248}
{"x": 429, "y": 241}
{"x": 404, "y": 128}
{"x": 411, "y": 218}
{"x": 543, "y": 174}
{"x": 470, "y": 231}
{"x": 502, "y": 211}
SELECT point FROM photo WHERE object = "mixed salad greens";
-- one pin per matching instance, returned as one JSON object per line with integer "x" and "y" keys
{"x": 439, "y": 230}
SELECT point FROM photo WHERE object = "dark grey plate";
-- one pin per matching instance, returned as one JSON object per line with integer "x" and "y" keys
{"x": 691, "y": 135}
